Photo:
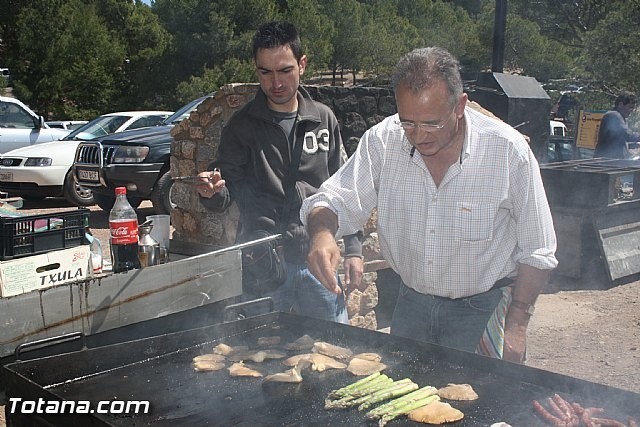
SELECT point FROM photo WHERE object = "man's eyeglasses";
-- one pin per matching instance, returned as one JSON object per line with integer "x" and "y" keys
{"x": 410, "y": 126}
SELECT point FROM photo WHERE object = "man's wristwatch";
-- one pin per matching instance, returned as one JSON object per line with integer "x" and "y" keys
{"x": 527, "y": 308}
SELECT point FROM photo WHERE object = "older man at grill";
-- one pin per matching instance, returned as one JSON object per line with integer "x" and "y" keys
{"x": 462, "y": 214}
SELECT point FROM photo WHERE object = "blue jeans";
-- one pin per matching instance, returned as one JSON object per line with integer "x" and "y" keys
{"x": 303, "y": 294}
{"x": 455, "y": 323}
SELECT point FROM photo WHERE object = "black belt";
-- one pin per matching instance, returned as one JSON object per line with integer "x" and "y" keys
{"x": 505, "y": 281}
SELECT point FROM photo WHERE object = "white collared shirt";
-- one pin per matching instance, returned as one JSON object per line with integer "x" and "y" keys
{"x": 489, "y": 213}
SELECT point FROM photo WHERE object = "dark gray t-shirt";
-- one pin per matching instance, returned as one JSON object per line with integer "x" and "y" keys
{"x": 286, "y": 122}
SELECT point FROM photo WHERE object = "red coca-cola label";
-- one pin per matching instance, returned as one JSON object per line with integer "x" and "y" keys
{"x": 124, "y": 231}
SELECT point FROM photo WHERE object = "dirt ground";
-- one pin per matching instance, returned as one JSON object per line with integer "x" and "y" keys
{"x": 592, "y": 334}
{"x": 588, "y": 334}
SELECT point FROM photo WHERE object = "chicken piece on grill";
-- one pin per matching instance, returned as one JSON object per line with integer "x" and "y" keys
{"x": 436, "y": 413}
{"x": 227, "y": 350}
{"x": 293, "y": 360}
{"x": 358, "y": 366}
{"x": 209, "y": 357}
{"x": 256, "y": 356}
{"x": 303, "y": 343}
{"x": 458, "y": 392}
{"x": 332, "y": 350}
{"x": 373, "y": 357}
{"x": 239, "y": 369}
{"x": 204, "y": 365}
{"x": 293, "y": 375}
{"x": 319, "y": 362}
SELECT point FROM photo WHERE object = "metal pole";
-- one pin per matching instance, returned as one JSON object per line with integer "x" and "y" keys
{"x": 499, "y": 29}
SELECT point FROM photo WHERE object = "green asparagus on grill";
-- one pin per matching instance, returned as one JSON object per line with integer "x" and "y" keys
{"x": 405, "y": 409}
{"x": 385, "y": 392}
{"x": 344, "y": 391}
{"x": 373, "y": 386}
{"x": 407, "y": 398}
{"x": 398, "y": 390}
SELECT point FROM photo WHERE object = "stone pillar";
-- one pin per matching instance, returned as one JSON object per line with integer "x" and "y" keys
{"x": 195, "y": 145}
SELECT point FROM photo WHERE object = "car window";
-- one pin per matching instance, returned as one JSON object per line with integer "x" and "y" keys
{"x": 97, "y": 127}
{"x": 13, "y": 116}
{"x": 184, "y": 112}
{"x": 147, "y": 121}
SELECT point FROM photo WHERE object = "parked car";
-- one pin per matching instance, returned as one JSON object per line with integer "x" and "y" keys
{"x": 66, "y": 124}
{"x": 138, "y": 160}
{"x": 21, "y": 127}
{"x": 44, "y": 170}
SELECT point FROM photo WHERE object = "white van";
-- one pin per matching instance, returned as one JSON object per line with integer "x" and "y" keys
{"x": 557, "y": 128}
{"x": 21, "y": 127}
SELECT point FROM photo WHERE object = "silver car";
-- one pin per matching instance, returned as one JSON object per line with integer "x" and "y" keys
{"x": 21, "y": 127}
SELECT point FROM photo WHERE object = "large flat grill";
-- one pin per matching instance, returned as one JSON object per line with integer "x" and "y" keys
{"x": 159, "y": 369}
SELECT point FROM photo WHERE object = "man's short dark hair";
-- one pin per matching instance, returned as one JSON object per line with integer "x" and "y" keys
{"x": 275, "y": 34}
{"x": 626, "y": 98}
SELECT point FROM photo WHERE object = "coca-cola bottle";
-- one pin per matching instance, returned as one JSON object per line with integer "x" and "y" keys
{"x": 123, "y": 225}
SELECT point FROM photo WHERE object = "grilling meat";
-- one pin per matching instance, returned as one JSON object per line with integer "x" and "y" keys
{"x": 256, "y": 356}
{"x": 458, "y": 392}
{"x": 332, "y": 350}
{"x": 562, "y": 413}
{"x": 373, "y": 357}
{"x": 303, "y": 343}
{"x": 293, "y": 375}
{"x": 436, "y": 413}
{"x": 293, "y": 360}
{"x": 227, "y": 350}
{"x": 239, "y": 369}
{"x": 208, "y": 362}
{"x": 209, "y": 357}
{"x": 319, "y": 362}
{"x": 207, "y": 365}
{"x": 358, "y": 366}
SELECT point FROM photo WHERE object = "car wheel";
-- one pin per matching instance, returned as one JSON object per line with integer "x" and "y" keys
{"x": 161, "y": 195}
{"x": 107, "y": 202}
{"x": 75, "y": 193}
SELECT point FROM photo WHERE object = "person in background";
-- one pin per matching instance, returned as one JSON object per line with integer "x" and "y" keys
{"x": 614, "y": 133}
{"x": 281, "y": 125}
{"x": 462, "y": 214}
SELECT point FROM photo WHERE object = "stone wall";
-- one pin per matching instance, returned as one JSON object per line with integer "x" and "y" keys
{"x": 196, "y": 142}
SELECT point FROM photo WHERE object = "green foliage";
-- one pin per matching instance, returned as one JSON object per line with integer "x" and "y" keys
{"x": 65, "y": 75}
{"x": 316, "y": 32}
{"x": 233, "y": 70}
{"x": 80, "y": 58}
{"x": 534, "y": 54}
{"x": 440, "y": 24}
{"x": 615, "y": 61}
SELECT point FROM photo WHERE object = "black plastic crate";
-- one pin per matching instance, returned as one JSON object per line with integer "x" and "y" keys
{"x": 35, "y": 234}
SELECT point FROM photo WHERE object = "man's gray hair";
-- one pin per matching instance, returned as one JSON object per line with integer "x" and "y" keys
{"x": 422, "y": 68}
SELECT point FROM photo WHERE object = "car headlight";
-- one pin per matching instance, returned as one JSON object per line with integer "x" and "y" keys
{"x": 125, "y": 154}
{"x": 38, "y": 161}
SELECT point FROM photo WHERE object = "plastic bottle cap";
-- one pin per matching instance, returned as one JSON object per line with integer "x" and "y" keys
{"x": 121, "y": 190}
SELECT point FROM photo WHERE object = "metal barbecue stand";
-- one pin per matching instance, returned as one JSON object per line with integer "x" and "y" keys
{"x": 159, "y": 369}
{"x": 595, "y": 205}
